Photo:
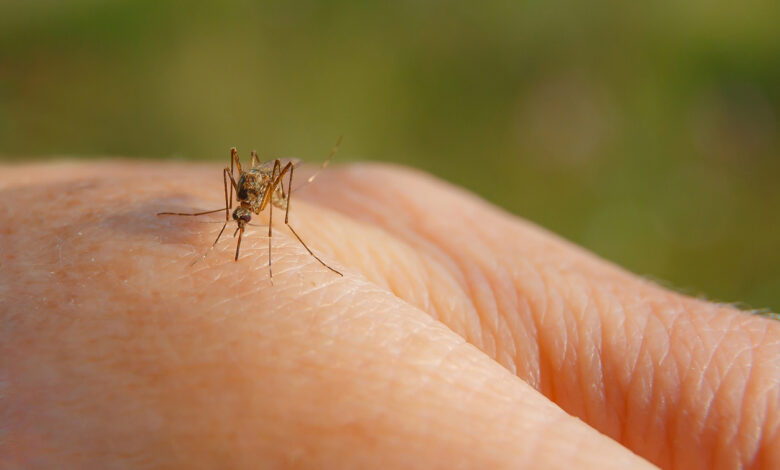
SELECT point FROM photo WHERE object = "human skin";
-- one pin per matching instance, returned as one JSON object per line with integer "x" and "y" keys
{"x": 459, "y": 336}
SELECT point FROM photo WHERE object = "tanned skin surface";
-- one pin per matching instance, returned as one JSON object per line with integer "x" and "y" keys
{"x": 459, "y": 336}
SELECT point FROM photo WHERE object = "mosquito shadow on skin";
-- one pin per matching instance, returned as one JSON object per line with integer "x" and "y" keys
{"x": 88, "y": 218}
{"x": 142, "y": 221}
{"x": 82, "y": 213}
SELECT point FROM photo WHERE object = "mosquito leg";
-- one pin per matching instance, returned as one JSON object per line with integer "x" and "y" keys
{"x": 193, "y": 213}
{"x": 281, "y": 186}
{"x": 218, "y": 236}
{"x": 228, "y": 206}
{"x": 287, "y": 221}
{"x": 266, "y": 198}
{"x": 233, "y": 158}
{"x": 269, "y": 191}
{"x": 311, "y": 252}
{"x": 233, "y": 184}
{"x": 276, "y": 180}
{"x": 287, "y": 209}
{"x": 212, "y": 245}
{"x": 254, "y": 158}
{"x": 270, "y": 224}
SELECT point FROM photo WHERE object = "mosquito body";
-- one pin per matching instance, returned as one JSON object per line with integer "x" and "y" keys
{"x": 260, "y": 187}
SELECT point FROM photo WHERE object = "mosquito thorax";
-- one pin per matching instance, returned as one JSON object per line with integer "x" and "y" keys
{"x": 250, "y": 186}
{"x": 242, "y": 188}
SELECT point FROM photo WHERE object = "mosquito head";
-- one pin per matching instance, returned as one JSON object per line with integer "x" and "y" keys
{"x": 242, "y": 216}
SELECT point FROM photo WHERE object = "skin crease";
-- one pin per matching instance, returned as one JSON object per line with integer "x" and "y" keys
{"x": 459, "y": 336}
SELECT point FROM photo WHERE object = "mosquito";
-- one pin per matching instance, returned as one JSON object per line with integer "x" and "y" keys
{"x": 259, "y": 187}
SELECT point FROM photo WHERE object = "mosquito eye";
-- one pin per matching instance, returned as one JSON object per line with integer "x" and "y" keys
{"x": 245, "y": 217}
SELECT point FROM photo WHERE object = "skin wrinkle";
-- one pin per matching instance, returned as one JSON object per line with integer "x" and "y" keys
{"x": 614, "y": 315}
{"x": 689, "y": 429}
{"x": 767, "y": 461}
{"x": 401, "y": 286}
{"x": 726, "y": 391}
{"x": 368, "y": 252}
{"x": 485, "y": 305}
{"x": 729, "y": 393}
{"x": 576, "y": 386}
{"x": 638, "y": 378}
{"x": 754, "y": 451}
{"x": 533, "y": 322}
{"x": 714, "y": 380}
{"x": 508, "y": 343}
{"x": 441, "y": 312}
{"x": 486, "y": 338}
{"x": 568, "y": 372}
{"x": 508, "y": 330}
{"x": 646, "y": 328}
{"x": 590, "y": 334}
{"x": 600, "y": 384}
{"x": 425, "y": 280}
{"x": 743, "y": 453}
{"x": 516, "y": 332}
{"x": 529, "y": 367}
{"x": 546, "y": 359}
{"x": 564, "y": 341}
{"x": 677, "y": 333}
{"x": 661, "y": 396}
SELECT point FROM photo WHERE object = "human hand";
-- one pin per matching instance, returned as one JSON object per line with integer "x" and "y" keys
{"x": 457, "y": 337}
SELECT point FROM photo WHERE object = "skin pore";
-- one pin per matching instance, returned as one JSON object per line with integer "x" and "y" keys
{"x": 459, "y": 336}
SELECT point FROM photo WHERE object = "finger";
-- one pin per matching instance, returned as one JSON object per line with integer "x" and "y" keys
{"x": 685, "y": 383}
{"x": 115, "y": 350}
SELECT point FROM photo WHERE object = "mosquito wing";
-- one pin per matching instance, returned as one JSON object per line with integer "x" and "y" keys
{"x": 268, "y": 166}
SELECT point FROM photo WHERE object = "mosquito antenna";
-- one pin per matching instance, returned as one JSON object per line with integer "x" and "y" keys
{"x": 238, "y": 245}
{"x": 323, "y": 166}
{"x": 211, "y": 247}
{"x": 327, "y": 160}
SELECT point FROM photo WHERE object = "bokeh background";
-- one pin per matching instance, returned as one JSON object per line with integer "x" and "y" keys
{"x": 644, "y": 131}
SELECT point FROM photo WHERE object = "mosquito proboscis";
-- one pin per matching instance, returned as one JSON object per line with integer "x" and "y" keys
{"x": 261, "y": 186}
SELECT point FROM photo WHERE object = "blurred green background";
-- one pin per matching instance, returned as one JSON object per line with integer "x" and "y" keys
{"x": 645, "y": 131}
